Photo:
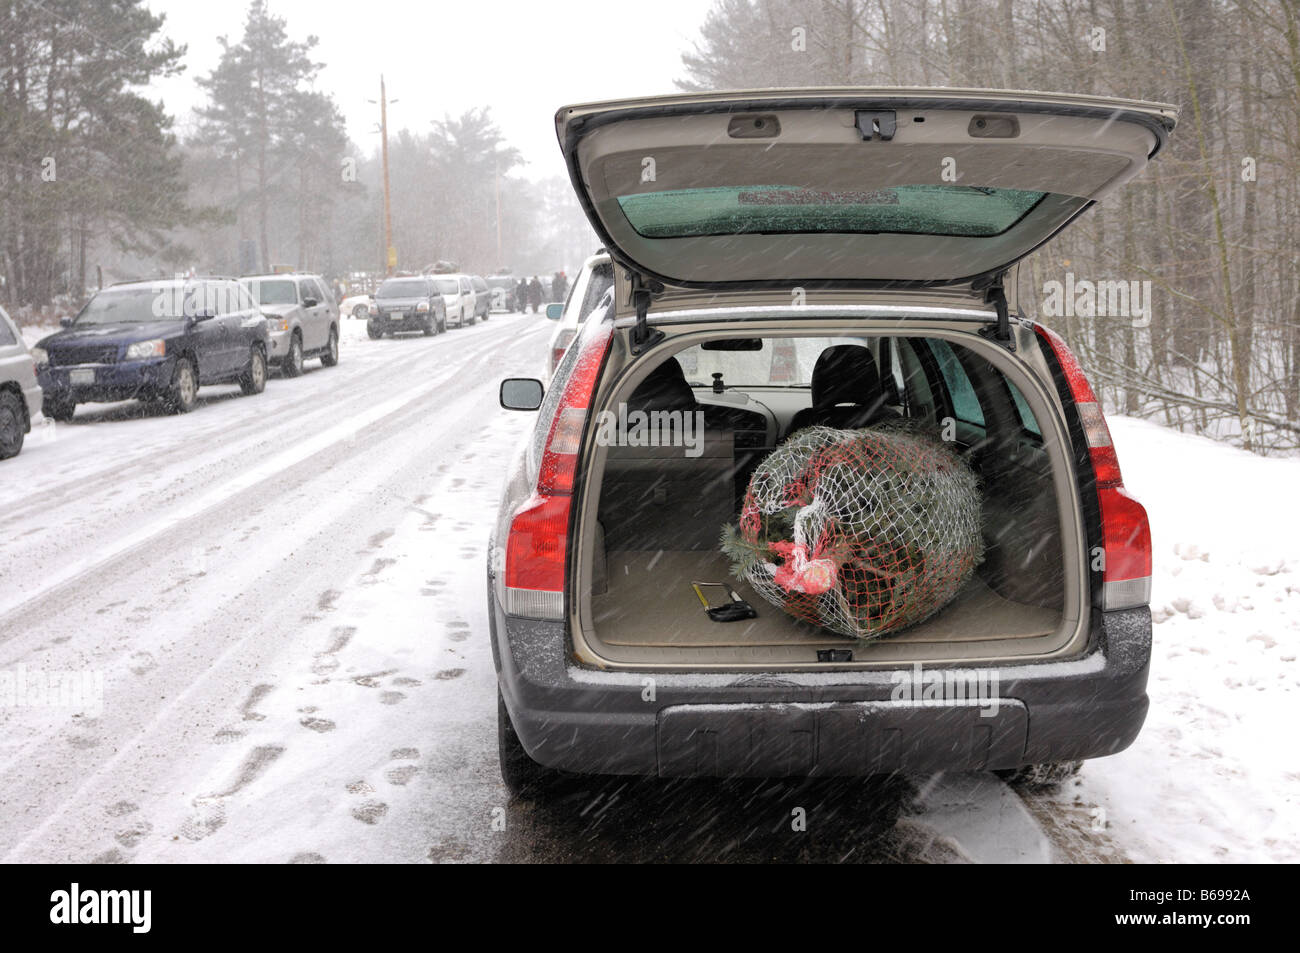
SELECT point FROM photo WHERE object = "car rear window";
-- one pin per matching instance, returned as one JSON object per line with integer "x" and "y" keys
{"x": 945, "y": 210}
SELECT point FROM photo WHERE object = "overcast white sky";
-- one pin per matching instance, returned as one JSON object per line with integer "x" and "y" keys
{"x": 524, "y": 59}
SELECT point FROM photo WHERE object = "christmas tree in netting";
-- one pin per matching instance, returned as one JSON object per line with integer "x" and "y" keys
{"x": 864, "y": 532}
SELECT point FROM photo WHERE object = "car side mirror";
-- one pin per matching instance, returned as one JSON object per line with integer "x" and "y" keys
{"x": 66, "y": 322}
{"x": 309, "y": 302}
{"x": 555, "y": 311}
{"x": 521, "y": 393}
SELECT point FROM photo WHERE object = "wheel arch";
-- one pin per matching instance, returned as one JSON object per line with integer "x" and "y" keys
{"x": 189, "y": 354}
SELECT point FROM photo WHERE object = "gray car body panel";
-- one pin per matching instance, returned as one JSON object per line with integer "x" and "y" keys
{"x": 17, "y": 371}
{"x": 794, "y": 724}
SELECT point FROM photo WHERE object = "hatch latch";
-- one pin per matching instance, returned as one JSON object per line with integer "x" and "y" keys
{"x": 876, "y": 124}
{"x": 996, "y": 295}
{"x": 643, "y": 336}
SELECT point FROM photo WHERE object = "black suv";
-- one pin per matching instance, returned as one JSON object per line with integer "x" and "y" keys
{"x": 411, "y": 303}
{"x": 155, "y": 340}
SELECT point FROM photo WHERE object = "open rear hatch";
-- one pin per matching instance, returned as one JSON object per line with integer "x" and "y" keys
{"x": 846, "y": 187}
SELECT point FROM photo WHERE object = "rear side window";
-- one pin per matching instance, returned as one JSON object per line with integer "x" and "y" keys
{"x": 7, "y": 338}
{"x": 464, "y": 286}
{"x": 965, "y": 404}
{"x": 1027, "y": 419}
{"x": 218, "y": 298}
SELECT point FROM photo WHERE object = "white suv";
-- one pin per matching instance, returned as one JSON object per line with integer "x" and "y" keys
{"x": 596, "y": 277}
{"x": 458, "y": 293}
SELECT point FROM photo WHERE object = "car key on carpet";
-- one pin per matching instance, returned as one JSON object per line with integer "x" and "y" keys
{"x": 732, "y": 611}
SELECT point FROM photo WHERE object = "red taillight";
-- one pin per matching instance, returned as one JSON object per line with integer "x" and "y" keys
{"x": 535, "y": 557}
{"x": 537, "y": 550}
{"x": 1126, "y": 533}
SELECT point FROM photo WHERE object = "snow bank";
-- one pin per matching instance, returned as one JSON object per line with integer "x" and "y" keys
{"x": 1215, "y": 774}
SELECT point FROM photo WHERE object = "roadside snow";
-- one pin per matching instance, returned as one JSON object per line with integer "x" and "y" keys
{"x": 32, "y": 333}
{"x": 1215, "y": 774}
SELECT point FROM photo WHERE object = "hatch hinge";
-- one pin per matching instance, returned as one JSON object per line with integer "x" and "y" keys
{"x": 876, "y": 124}
{"x": 996, "y": 295}
{"x": 643, "y": 336}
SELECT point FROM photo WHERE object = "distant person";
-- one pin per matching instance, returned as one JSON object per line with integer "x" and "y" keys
{"x": 535, "y": 294}
{"x": 559, "y": 285}
{"x": 521, "y": 296}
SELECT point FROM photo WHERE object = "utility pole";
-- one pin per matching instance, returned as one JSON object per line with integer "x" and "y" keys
{"x": 498, "y": 184}
{"x": 390, "y": 253}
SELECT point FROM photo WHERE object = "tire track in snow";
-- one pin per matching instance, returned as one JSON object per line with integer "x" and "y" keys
{"x": 12, "y": 607}
{"x": 380, "y": 447}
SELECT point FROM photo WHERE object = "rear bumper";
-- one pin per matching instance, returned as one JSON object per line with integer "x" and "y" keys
{"x": 798, "y": 725}
{"x": 126, "y": 380}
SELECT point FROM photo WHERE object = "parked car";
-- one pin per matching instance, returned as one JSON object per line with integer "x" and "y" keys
{"x": 356, "y": 305}
{"x": 302, "y": 318}
{"x": 458, "y": 296}
{"x": 596, "y": 277}
{"x": 411, "y": 303}
{"x": 20, "y": 393}
{"x": 801, "y": 262}
{"x": 482, "y": 297}
{"x": 158, "y": 340}
{"x": 503, "y": 292}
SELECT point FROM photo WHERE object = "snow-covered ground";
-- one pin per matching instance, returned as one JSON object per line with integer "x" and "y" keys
{"x": 1215, "y": 774}
{"x": 279, "y": 593}
{"x": 284, "y": 598}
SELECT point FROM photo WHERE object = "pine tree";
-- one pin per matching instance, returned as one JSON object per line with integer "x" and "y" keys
{"x": 82, "y": 154}
{"x": 261, "y": 110}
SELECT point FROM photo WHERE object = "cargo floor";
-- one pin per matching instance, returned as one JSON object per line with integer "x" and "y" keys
{"x": 649, "y": 603}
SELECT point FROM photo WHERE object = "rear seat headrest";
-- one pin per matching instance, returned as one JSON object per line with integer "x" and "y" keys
{"x": 664, "y": 389}
{"x": 845, "y": 374}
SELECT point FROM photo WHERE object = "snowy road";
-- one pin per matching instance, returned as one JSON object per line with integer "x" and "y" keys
{"x": 284, "y": 598}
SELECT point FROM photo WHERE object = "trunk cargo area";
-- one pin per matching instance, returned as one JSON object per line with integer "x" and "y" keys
{"x": 661, "y": 515}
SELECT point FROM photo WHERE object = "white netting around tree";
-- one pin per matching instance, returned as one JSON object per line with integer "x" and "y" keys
{"x": 864, "y": 532}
